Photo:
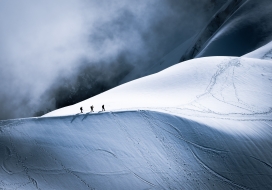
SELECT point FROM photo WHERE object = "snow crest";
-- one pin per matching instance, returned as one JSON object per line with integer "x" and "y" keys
{"x": 201, "y": 124}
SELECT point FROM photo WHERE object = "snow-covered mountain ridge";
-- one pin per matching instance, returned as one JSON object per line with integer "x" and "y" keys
{"x": 135, "y": 150}
{"x": 205, "y": 123}
{"x": 210, "y": 128}
{"x": 214, "y": 85}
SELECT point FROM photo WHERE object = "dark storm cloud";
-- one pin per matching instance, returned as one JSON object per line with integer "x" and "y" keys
{"x": 55, "y": 53}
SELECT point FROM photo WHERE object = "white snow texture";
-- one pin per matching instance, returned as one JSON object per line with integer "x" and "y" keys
{"x": 200, "y": 124}
{"x": 205, "y": 123}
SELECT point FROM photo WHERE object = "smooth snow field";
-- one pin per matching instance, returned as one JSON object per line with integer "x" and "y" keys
{"x": 200, "y": 124}
{"x": 215, "y": 86}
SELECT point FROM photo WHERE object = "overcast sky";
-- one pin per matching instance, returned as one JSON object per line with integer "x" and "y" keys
{"x": 42, "y": 42}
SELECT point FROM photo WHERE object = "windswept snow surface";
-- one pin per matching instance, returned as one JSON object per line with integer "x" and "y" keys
{"x": 134, "y": 150}
{"x": 200, "y": 124}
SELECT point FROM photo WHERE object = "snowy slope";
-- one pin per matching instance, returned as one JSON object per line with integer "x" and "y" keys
{"x": 237, "y": 28}
{"x": 264, "y": 52}
{"x": 201, "y": 124}
{"x": 135, "y": 150}
{"x": 225, "y": 85}
{"x": 166, "y": 61}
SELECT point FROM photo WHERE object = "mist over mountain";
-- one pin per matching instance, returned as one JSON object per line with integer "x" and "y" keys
{"x": 176, "y": 114}
{"x": 55, "y": 54}
{"x": 50, "y": 45}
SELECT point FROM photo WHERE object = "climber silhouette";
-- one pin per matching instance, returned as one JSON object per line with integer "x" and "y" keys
{"x": 81, "y": 109}
{"x": 103, "y": 108}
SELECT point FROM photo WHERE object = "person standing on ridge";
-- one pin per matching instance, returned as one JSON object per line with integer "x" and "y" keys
{"x": 103, "y": 108}
{"x": 81, "y": 109}
{"x": 92, "y": 108}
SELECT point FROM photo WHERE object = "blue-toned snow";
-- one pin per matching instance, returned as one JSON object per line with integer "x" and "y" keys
{"x": 200, "y": 124}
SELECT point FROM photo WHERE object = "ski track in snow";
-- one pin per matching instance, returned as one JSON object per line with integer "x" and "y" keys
{"x": 167, "y": 146}
{"x": 136, "y": 143}
{"x": 224, "y": 179}
{"x": 64, "y": 168}
{"x": 268, "y": 55}
{"x": 265, "y": 163}
{"x": 21, "y": 161}
{"x": 155, "y": 124}
{"x": 203, "y": 111}
{"x": 223, "y": 89}
{"x": 208, "y": 149}
{"x": 28, "y": 170}
{"x": 7, "y": 155}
